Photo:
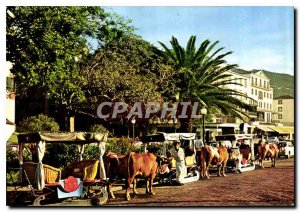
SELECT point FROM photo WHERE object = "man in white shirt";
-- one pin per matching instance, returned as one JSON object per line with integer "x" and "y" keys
{"x": 178, "y": 154}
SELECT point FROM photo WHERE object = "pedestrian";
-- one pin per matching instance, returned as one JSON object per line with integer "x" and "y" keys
{"x": 178, "y": 154}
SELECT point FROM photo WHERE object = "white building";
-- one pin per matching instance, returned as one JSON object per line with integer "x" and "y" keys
{"x": 255, "y": 84}
{"x": 284, "y": 110}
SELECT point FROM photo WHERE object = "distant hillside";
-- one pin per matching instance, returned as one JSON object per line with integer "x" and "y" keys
{"x": 282, "y": 84}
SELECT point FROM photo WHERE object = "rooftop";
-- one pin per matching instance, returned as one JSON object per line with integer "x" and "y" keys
{"x": 284, "y": 97}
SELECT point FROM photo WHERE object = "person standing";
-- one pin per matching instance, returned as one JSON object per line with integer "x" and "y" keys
{"x": 178, "y": 154}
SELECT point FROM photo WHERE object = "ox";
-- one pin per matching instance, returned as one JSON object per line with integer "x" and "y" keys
{"x": 267, "y": 151}
{"x": 215, "y": 156}
{"x": 129, "y": 166}
{"x": 116, "y": 166}
{"x": 144, "y": 165}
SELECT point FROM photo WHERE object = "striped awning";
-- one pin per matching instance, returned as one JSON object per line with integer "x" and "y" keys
{"x": 265, "y": 128}
{"x": 283, "y": 130}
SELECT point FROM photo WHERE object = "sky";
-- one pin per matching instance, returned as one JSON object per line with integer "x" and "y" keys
{"x": 260, "y": 37}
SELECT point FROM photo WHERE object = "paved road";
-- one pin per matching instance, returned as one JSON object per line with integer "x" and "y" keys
{"x": 261, "y": 187}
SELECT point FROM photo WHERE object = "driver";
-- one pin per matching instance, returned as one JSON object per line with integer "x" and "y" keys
{"x": 178, "y": 153}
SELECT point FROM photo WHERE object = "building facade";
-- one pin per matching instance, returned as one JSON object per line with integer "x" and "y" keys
{"x": 284, "y": 110}
{"x": 262, "y": 92}
{"x": 255, "y": 84}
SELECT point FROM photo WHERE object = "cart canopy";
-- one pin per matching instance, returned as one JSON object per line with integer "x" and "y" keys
{"x": 163, "y": 137}
{"x": 79, "y": 138}
{"x": 65, "y": 137}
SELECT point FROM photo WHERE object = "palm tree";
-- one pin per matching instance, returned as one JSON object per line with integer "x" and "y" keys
{"x": 201, "y": 75}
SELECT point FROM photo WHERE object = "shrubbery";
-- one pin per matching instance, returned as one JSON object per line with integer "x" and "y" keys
{"x": 60, "y": 155}
{"x": 38, "y": 123}
{"x": 122, "y": 146}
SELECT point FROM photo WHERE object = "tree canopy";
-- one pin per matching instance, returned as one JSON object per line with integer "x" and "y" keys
{"x": 48, "y": 45}
{"x": 201, "y": 75}
{"x": 126, "y": 71}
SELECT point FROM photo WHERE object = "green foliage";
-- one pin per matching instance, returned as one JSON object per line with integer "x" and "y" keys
{"x": 60, "y": 155}
{"x": 38, "y": 123}
{"x": 12, "y": 177}
{"x": 99, "y": 128}
{"x": 279, "y": 84}
{"x": 11, "y": 158}
{"x": 91, "y": 152}
{"x": 127, "y": 71}
{"x": 122, "y": 146}
{"x": 49, "y": 44}
{"x": 156, "y": 149}
{"x": 201, "y": 75}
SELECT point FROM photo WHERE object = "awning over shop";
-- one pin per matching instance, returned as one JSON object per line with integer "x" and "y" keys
{"x": 265, "y": 128}
{"x": 283, "y": 130}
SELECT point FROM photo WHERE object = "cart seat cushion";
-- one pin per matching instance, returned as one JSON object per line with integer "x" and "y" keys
{"x": 71, "y": 184}
{"x": 189, "y": 160}
{"x": 246, "y": 153}
{"x": 86, "y": 169}
{"x": 52, "y": 174}
{"x": 244, "y": 161}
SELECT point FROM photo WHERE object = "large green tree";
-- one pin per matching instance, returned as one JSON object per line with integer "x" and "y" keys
{"x": 49, "y": 44}
{"x": 201, "y": 75}
{"x": 127, "y": 71}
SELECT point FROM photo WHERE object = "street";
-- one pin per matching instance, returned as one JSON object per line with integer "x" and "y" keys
{"x": 261, "y": 187}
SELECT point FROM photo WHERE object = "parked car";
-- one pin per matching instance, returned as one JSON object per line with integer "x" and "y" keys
{"x": 286, "y": 148}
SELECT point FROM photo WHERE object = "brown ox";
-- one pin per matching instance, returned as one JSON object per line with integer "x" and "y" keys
{"x": 116, "y": 165}
{"x": 267, "y": 151}
{"x": 215, "y": 156}
{"x": 129, "y": 166}
{"x": 144, "y": 165}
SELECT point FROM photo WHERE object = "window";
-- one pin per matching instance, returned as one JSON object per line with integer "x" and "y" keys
{"x": 267, "y": 95}
{"x": 252, "y": 81}
{"x": 279, "y": 109}
{"x": 264, "y": 94}
{"x": 280, "y": 102}
{"x": 255, "y": 92}
{"x": 271, "y": 106}
{"x": 245, "y": 83}
{"x": 279, "y": 116}
{"x": 255, "y": 81}
{"x": 264, "y": 105}
{"x": 260, "y": 83}
{"x": 264, "y": 83}
{"x": 252, "y": 91}
{"x": 270, "y": 96}
{"x": 260, "y": 95}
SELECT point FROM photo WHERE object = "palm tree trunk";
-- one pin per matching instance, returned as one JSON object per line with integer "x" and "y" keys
{"x": 186, "y": 124}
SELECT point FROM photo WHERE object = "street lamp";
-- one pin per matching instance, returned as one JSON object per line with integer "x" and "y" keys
{"x": 203, "y": 111}
{"x": 133, "y": 122}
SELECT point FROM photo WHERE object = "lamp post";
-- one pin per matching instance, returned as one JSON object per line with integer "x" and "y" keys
{"x": 133, "y": 122}
{"x": 203, "y": 111}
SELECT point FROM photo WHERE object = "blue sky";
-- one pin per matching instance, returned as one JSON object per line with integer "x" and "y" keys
{"x": 260, "y": 37}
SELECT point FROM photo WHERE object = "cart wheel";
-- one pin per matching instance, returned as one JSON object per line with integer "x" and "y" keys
{"x": 37, "y": 201}
{"x": 100, "y": 199}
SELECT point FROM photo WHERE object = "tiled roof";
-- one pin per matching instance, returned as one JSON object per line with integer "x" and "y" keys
{"x": 240, "y": 71}
{"x": 284, "y": 97}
